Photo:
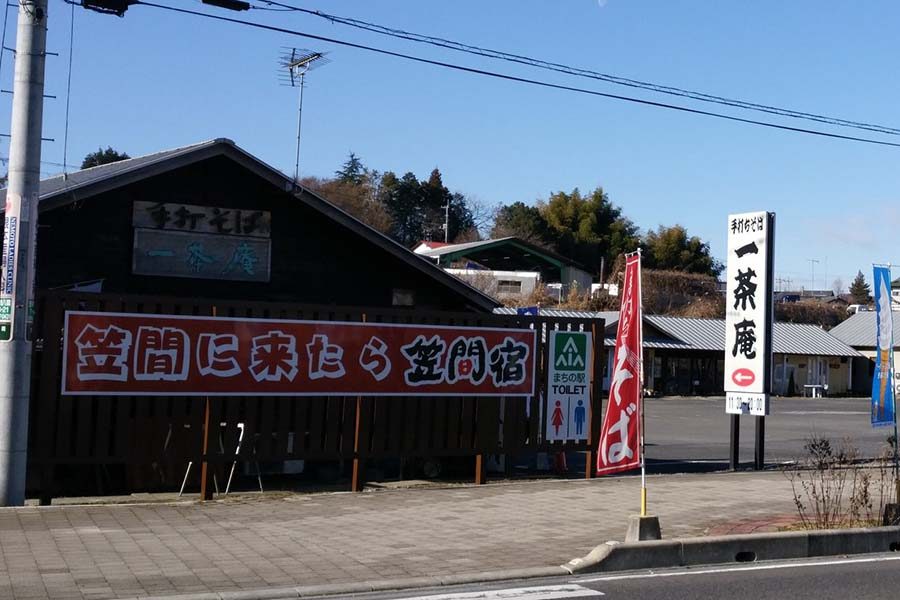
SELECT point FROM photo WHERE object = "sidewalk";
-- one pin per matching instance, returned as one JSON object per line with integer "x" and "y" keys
{"x": 110, "y": 551}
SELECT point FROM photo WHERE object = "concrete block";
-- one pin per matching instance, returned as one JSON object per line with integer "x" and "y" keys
{"x": 745, "y": 548}
{"x": 615, "y": 556}
{"x": 642, "y": 528}
{"x": 853, "y": 541}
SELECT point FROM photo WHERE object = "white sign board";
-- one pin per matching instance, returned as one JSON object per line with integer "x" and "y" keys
{"x": 748, "y": 313}
{"x": 568, "y": 386}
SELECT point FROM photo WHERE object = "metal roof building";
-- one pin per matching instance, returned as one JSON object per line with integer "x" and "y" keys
{"x": 709, "y": 334}
{"x": 686, "y": 356}
{"x": 859, "y": 331}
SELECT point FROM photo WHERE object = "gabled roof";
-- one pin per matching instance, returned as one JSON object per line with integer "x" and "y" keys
{"x": 859, "y": 330}
{"x": 65, "y": 189}
{"x": 455, "y": 251}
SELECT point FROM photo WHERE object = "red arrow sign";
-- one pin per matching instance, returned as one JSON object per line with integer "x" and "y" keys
{"x": 743, "y": 377}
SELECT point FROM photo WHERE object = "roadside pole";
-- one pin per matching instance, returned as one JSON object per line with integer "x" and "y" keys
{"x": 19, "y": 236}
{"x": 748, "y": 326}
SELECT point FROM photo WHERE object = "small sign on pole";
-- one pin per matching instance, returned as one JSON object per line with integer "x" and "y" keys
{"x": 748, "y": 313}
{"x": 568, "y": 386}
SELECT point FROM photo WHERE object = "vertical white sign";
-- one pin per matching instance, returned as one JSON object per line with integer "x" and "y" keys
{"x": 568, "y": 386}
{"x": 748, "y": 313}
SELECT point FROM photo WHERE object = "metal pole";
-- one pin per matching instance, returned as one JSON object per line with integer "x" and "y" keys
{"x": 734, "y": 456}
{"x": 299, "y": 124}
{"x": 19, "y": 235}
{"x": 759, "y": 462}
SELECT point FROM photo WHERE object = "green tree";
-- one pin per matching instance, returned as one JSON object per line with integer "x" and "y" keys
{"x": 521, "y": 221}
{"x": 672, "y": 249}
{"x": 103, "y": 157}
{"x": 588, "y": 228}
{"x": 353, "y": 171}
{"x": 859, "y": 289}
{"x": 417, "y": 208}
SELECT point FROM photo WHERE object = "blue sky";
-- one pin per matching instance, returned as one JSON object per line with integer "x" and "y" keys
{"x": 155, "y": 80}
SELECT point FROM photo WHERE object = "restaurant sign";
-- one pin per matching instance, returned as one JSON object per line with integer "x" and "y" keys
{"x": 168, "y": 355}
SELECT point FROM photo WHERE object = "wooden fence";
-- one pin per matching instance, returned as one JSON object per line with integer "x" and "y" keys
{"x": 96, "y": 444}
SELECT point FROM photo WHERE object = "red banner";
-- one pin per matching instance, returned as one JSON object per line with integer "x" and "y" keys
{"x": 619, "y": 448}
{"x": 164, "y": 355}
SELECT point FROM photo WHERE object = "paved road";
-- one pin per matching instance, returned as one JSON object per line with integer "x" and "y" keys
{"x": 698, "y": 428}
{"x": 872, "y": 577}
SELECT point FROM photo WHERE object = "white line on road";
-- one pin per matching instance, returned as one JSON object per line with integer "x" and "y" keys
{"x": 546, "y": 592}
{"x": 794, "y": 565}
{"x": 823, "y": 412}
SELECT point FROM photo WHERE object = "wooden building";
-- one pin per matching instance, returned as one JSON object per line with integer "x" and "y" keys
{"x": 212, "y": 221}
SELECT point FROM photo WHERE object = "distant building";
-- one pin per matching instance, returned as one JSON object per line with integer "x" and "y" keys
{"x": 684, "y": 356}
{"x": 509, "y": 264}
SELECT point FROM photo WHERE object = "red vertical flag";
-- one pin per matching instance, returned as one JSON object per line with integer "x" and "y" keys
{"x": 620, "y": 437}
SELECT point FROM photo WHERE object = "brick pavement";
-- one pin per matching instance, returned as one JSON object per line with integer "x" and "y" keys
{"x": 113, "y": 551}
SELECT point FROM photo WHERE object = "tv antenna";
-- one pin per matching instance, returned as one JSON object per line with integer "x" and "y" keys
{"x": 295, "y": 64}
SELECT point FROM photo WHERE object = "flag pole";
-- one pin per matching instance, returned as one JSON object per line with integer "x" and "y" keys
{"x": 894, "y": 397}
{"x": 640, "y": 307}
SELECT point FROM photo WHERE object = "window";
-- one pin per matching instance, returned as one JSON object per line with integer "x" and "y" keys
{"x": 403, "y": 297}
{"x": 505, "y": 286}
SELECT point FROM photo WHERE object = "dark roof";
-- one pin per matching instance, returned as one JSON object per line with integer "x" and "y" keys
{"x": 496, "y": 254}
{"x": 65, "y": 189}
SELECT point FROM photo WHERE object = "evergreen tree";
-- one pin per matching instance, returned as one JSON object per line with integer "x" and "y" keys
{"x": 859, "y": 289}
{"x": 103, "y": 157}
{"x": 353, "y": 171}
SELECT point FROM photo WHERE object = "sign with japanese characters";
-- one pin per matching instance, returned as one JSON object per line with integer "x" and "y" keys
{"x": 568, "y": 386}
{"x": 163, "y": 355}
{"x": 882, "y": 391}
{"x": 748, "y": 313}
{"x": 201, "y": 255}
{"x": 620, "y": 434}
{"x": 201, "y": 219}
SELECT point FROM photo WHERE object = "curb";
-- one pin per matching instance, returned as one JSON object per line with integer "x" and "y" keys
{"x": 380, "y": 585}
{"x": 658, "y": 554}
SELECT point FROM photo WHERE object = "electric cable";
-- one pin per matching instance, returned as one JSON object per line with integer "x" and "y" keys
{"x": 514, "y": 78}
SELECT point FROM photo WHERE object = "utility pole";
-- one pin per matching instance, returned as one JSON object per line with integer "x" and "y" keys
{"x": 19, "y": 237}
{"x": 447, "y": 222}
{"x": 812, "y": 275}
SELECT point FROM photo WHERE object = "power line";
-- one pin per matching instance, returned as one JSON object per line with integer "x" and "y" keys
{"x": 514, "y": 78}
{"x": 578, "y": 72}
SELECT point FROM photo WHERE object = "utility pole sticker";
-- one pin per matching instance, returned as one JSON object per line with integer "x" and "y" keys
{"x": 748, "y": 313}
{"x": 568, "y": 386}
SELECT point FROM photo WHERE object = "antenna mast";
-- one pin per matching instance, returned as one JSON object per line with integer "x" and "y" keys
{"x": 296, "y": 63}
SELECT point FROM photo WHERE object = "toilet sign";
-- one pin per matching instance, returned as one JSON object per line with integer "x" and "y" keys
{"x": 568, "y": 386}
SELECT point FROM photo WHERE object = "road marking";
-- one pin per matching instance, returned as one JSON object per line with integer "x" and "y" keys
{"x": 822, "y": 412}
{"x": 546, "y": 592}
{"x": 821, "y": 563}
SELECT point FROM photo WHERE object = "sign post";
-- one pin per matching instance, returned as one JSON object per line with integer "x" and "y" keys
{"x": 748, "y": 325}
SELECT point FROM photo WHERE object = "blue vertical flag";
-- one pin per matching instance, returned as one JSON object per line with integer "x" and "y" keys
{"x": 882, "y": 383}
